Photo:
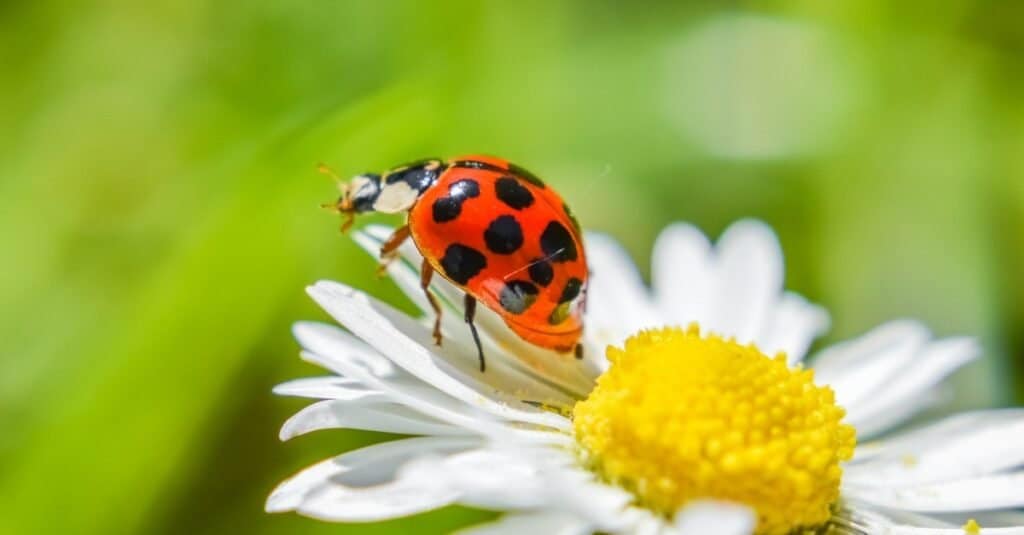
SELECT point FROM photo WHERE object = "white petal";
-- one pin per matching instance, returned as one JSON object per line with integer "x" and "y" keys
{"x": 383, "y": 417}
{"x": 363, "y": 485}
{"x": 893, "y": 529}
{"x": 898, "y": 378}
{"x": 864, "y": 520}
{"x": 795, "y": 323}
{"x": 735, "y": 289}
{"x": 720, "y": 518}
{"x": 536, "y": 523}
{"x": 648, "y": 524}
{"x": 750, "y": 270}
{"x": 510, "y": 476}
{"x": 396, "y": 385}
{"x": 575, "y": 490}
{"x": 856, "y": 368}
{"x": 333, "y": 345}
{"x": 420, "y": 401}
{"x": 961, "y": 447}
{"x": 683, "y": 276}
{"x": 931, "y": 365}
{"x": 517, "y": 364}
{"x": 1003, "y": 491}
{"x": 618, "y": 303}
{"x": 912, "y": 442}
{"x": 332, "y": 387}
{"x": 987, "y": 519}
{"x": 885, "y": 376}
{"x": 385, "y": 329}
{"x": 497, "y": 479}
{"x": 372, "y": 505}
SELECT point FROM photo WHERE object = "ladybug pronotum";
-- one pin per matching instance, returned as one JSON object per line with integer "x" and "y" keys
{"x": 494, "y": 230}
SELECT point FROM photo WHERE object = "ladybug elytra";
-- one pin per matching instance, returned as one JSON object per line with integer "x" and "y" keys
{"x": 494, "y": 230}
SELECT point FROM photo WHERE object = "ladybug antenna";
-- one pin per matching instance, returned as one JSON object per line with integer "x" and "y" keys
{"x": 343, "y": 205}
{"x": 325, "y": 170}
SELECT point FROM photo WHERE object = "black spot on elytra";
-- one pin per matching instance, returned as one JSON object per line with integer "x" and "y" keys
{"x": 461, "y": 263}
{"x": 517, "y": 296}
{"x": 512, "y": 193}
{"x": 541, "y": 272}
{"x": 557, "y": 243}
{"x": 526, "y": 175}
{"x": 571, "y": 290}
{"x": 446, "y": 209}
{"x": 449, "y": 207}
{"x": 463, "y": 189}
{"x": 504, "y": 235}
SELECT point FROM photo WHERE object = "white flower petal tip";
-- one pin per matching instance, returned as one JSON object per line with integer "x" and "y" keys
{"x": 370, "y": 484}
{"x": 368, "y": 414}
{"x": 720, "y": 518}
{"x": 326, "y": 292}
{"x": 333, "y": 348}
{"x": 883, "y": 377}
{"x": 734, "y": 288}
{"x": 332, "y": 387}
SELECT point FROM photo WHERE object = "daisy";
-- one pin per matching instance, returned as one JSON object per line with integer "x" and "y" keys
{"x": 692, "y": 412}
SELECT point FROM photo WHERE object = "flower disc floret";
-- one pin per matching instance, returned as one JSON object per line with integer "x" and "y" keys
{"x": 680, "y": 416}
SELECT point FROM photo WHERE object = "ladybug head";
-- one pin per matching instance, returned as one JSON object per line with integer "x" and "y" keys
{"x": 357, "y": 196}
{"x": 360, "y": 194}
{"x": 393, "y": 192}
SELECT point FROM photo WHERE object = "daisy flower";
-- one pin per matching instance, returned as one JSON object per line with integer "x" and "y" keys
{"x": 691, "y": 413}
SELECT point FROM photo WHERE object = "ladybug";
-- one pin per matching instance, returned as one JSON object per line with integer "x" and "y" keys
{"x": 494, "y": 230}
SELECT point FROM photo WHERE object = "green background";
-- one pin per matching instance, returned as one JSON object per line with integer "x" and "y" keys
{"x": 160, "y": 202}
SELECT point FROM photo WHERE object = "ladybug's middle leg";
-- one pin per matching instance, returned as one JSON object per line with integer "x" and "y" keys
{"x": 389, "y": 250}
{"x": 470, "y": 312}
{"x": 426, "y": 273}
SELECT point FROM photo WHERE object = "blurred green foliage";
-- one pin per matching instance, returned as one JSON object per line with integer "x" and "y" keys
{"x": 160, "y": 200}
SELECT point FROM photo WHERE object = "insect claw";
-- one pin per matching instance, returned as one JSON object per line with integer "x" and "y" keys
{"x": 385, "y": 261}
{"x": 347, "y": 223}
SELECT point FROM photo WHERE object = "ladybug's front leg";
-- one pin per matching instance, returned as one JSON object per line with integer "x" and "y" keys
{"x": 389, "y": 250}
{"x": 426, "y": 273}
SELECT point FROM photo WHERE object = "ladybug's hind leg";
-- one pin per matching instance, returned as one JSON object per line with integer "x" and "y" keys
{"x": 470, "y": 312}
{"x": 389, "y": 250}
{"x": 426, "y": 273}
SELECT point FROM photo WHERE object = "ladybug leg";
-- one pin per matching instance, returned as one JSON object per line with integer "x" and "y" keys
{"x": 426, "y": 273}
{"x": 470, "y": 312}
{"x": 389, "y": 250}
{"x": 578, "y": 351}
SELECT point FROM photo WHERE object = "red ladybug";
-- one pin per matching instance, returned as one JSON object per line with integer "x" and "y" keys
{"x": 493, "y": 229}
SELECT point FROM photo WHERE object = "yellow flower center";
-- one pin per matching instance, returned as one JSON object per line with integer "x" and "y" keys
{"x": 679, "y": 417}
